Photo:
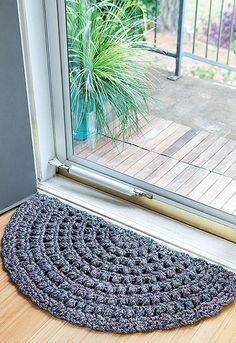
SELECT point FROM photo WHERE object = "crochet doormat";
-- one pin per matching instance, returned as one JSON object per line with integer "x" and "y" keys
{"x": 83, "y": 269}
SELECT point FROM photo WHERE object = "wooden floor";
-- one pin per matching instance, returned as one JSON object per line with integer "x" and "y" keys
{"x": 183, "y": 160}
{"x": 22, "y": 322}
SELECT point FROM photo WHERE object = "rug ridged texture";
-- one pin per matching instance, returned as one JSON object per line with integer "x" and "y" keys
{"x": 83, "y": 269}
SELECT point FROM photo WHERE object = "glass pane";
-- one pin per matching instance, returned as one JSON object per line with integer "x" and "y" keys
{"x": 129, "y": 117}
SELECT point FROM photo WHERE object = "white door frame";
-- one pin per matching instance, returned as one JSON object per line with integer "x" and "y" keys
{"x": 43, "y": 30}
{"x": 33, "y": 36}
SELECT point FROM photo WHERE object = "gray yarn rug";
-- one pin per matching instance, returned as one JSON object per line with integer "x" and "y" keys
{"x": 87, "y": 271}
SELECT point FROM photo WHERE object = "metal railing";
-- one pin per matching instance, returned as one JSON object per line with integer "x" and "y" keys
{"x": 224, "y": 36}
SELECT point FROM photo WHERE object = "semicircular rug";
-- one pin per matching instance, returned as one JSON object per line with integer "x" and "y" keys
{"x": 83, "y": 269}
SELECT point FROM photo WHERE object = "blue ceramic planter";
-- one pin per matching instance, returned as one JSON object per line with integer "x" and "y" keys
{"x": 86, "y": 128}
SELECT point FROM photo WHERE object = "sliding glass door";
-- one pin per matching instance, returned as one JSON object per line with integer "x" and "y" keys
{"x": 125, "y": 120}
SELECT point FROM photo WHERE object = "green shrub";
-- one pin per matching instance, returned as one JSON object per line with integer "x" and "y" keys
{"x": 107, "y": 67}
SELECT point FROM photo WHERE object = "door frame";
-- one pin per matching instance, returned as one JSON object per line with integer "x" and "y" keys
{"x": 49, "y": 102}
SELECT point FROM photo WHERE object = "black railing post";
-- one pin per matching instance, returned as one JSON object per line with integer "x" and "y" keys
{"x": 179, "y": 49}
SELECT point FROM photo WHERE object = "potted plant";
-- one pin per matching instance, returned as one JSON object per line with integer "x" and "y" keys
{"x": 109, "y": 76}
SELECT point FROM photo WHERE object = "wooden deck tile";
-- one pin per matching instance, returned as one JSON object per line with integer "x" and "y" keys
{"x": 199, "y": 149}
{"x": 231, "y": 172}
{"x": 180, "y": 142}
{"x": 153, "y": 122}
{"x": 193, "y": 143}
{"x": 106, "y": 149}
{"x": 169, "y": 140}
{"x": 148, "y": 170}
{"x": 192, "y": 182}
{"x": 151, "y": 144}
{"x": 230, "y": 205}
{"x": 131, "y": 160}
{"x": 220, "y": 155}
{"x": 145, "y": 126}
{"x": 148, "y": 140}
{"x": 113, "y": 153}
{"x": 89, "y": 148}
{"x": 162, "y": 170}
{"x": 175, "y": 157}
{"x": 147, "y": 160}
{"x": 224, "y": 195}
{"x": 79, "y": 146}
{"x": 174, "y": 185}
{"x": 171, "y": 175}
{"x": 150, "y": 132}
{"x": 209, "y": 152}
{"x": 214, "y": 190}
{"x": 124, "y": 155}
{"x": 203, "y": 186}
{"x": 85, "y": 148}
{"x": 226, "y": 163}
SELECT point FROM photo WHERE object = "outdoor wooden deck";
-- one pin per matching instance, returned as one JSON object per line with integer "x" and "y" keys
{"x": 196, "y": 164}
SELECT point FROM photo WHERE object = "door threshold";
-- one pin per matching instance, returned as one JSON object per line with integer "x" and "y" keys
{"x": 164, "y": 230}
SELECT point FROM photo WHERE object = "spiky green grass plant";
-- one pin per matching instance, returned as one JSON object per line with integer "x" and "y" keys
{"x": 108, "y": 70}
